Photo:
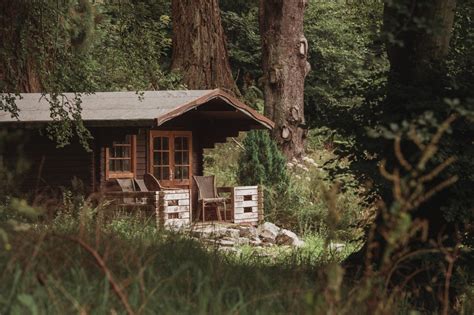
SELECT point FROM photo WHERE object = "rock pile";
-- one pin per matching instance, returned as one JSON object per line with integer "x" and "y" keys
{"x": 232, "y": 235}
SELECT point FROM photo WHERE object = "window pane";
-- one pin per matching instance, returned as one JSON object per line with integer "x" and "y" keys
{"x": 165, "y": 143}
{"x": 126, "y": 166}
{"x": 185, "y": 172}
{"x": 178, "y": 158}
{"x": 157, "y": 158}
{"x": 185, "y": 157}
{"x": 157, "y": 172}
{"x": 166, "y": 158}
{"x": 119, "y": 165}
{"x": 119, "y": 152}
{"x": 157, "y": 143}
{"x": 166, "y": 172}
{"x": 126, "y": 152}
{"x": 111, "y": 165}
{"x": 177, "y": 172}
{"x": 177, "y": 143}
{"x": 185, "y": 143}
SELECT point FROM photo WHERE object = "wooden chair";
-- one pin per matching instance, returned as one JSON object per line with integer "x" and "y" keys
{"x": 126, "y": 185}
{"x": 140, "y": 184}
{"x": 153, "y": 184}
{"x": 207, "y": 195}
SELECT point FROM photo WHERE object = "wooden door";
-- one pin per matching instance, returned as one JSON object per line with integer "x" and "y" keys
{"x": 170, "y": 154}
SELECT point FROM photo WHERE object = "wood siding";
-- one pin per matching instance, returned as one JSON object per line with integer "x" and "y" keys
{"x": 52, "y": 167}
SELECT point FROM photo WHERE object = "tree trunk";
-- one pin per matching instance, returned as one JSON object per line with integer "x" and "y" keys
{"x": 17, "y": 73}
{"x": 419, "y": 33}
{"x": 199, "y": 49}
{"x": 285, "y": 66}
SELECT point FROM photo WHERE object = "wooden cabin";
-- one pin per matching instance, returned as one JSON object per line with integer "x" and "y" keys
{"x": 159, "y": 132}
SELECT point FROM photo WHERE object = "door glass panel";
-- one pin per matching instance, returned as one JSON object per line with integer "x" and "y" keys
{"x": 157, "y": 172}
{"x": 157, "y": 158}
{"x": 178, "y": 143}
{"x": 157, "y": 143}
{"x": 178, "y": 172}
{"x": 178, "y": 158}
{"x": 166, "y": 173}
{"x": 185, "y": 172}
{"x": 166, "y": 158}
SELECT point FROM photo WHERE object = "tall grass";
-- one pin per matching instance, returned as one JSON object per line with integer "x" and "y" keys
{"x": 52, "y": 269}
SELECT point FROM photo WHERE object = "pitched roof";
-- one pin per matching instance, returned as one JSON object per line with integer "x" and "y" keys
{"x": 159, "y": 106}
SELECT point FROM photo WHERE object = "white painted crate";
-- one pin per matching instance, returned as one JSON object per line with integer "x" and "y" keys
{"x": 174, "y": 207}
{"x": 247, "y": 203}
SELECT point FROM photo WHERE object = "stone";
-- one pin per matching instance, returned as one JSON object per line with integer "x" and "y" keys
{"x": 248, "y": 231}
{"x": 226, "y": 242}
{"x": 255, "y": 241}
{"x": 286, "y": 237}
{"x": 177, "y": 225}
{"x": 268, "y": 232}
{"x": 209, "y": 231}
{"x": 233, "y": 233}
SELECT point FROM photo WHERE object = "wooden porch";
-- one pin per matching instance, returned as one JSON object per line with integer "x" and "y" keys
{"x": 244, "y": 205}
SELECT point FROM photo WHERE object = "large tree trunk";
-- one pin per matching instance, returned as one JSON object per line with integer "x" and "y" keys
{"x": 416, "y": 51}
{"x": 17, "y": 73}
{"x": 199, "y": 49}
{"x": 284, "y": 52}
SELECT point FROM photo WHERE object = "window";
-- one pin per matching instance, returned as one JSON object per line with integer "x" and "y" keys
{"x": 170, "y": 157}
{"x": 120, "y": 158}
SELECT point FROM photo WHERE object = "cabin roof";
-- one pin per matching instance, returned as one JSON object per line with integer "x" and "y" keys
{"x": 146, "y": 107}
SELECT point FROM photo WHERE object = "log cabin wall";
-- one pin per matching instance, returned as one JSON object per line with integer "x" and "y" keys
{"x": 52, "y": 167}
{"x": 142, "y": 149}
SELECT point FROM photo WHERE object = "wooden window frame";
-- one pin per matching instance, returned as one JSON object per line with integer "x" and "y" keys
{"x": 133, "y": 161}
{"x": 171, "y": 134}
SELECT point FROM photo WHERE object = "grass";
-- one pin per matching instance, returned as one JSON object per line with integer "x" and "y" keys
{"x": 47, "y": 271}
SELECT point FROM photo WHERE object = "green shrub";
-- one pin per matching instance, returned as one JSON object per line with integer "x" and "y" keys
{"x": 261, "y": 162}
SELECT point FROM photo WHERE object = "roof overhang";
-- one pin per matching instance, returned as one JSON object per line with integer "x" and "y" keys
{"x": 127, "y": 109}
{"x": 217, "y": 94}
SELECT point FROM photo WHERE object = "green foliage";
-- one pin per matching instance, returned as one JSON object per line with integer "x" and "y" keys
{"x": 133, "y": 46}
{"x": 77, "y": 46}
{"x": 242, "y": 31}
{"x": 261, "y": 162}
{"x": 346, "y": 58}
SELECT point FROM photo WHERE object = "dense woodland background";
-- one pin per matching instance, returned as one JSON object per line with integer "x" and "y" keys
{"x": 381, "y": 159}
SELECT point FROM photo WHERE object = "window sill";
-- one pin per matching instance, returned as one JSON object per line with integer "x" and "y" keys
{"x": 120, "y": 175}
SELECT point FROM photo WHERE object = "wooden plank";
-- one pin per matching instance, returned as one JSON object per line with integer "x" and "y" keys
{"x": 184, "y": 215}
{"x": 252, "y": 222}
{"x": 243, "y": 192}
{"x": 176, "y": 197}
{"x": 250, "y": 203}
{"x": 251, "y": 215}
{"x": 241, "y": 210}
{"x": 242, "y": 198}
{"x": 183, "y": 202}
{"x": 168, "y": 209}
{"x": 246, "y": 187}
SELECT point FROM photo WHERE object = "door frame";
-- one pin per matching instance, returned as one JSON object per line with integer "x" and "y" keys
{"x": 171, "y": 134}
